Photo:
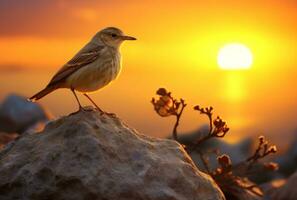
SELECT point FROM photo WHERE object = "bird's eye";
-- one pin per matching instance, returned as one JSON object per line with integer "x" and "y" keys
{"x": 113, "y": 35}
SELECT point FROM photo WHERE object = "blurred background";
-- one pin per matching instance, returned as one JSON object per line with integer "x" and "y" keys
{"x": 177, "y": 48}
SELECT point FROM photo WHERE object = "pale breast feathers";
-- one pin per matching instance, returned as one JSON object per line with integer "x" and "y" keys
{"x": 82, "y": 59}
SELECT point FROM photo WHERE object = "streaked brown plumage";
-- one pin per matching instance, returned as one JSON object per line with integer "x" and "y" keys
{"x": 93, "y": 67}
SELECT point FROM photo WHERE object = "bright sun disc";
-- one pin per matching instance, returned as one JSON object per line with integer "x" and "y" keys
{"x": 234, "y": 57}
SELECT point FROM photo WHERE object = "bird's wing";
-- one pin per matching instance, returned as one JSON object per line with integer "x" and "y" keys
{"x": 80, "y": 60}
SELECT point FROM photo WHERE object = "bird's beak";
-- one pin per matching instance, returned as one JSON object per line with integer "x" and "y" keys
{"x": 126, "y": 37}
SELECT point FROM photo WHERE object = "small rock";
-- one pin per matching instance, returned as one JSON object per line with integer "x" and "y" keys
{"x": 270, "y": 187}
{"x": 17, "y": 114}
{"x": 287, "y": 191}
{"x": 87, "y": 155}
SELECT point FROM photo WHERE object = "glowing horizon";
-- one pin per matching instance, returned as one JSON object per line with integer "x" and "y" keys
{"x": 177, "y": 48}
{"x": 160, "y": 38}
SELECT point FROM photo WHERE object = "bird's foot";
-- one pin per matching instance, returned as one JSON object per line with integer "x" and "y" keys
{"x": 82, "y": 109}
{"x": 99, "y": 109}
{"x": 86, "y": 109}
{"x": 109, "y": 114}
{"x": 75, "y": 112}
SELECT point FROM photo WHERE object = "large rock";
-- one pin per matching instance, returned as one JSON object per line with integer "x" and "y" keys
{"x": 17, "y": 114}
{"x": 91, "y": 156}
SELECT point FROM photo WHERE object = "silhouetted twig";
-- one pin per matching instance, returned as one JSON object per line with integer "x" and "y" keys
{"x": 236, "y": 176}
{"x": 217, "y": 127}
{"x": 178, "y": 115}
{"x": 166, "y": 106}
{"x": 205, "y": 162}
{"x": 262, "y": 150}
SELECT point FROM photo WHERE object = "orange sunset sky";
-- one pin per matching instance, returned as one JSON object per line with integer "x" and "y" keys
{"x": 177, "y": 48}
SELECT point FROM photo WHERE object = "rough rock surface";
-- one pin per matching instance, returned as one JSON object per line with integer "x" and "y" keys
{"x": 17, "y": 114}
{"x": 91, "y": 156}
{"x": 6, "y": 138}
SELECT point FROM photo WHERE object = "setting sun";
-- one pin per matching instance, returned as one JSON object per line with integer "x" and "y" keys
{"x": 235, "y": 56}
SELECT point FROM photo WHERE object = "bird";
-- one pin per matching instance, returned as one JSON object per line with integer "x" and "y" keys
{"x": 96, "y": 65}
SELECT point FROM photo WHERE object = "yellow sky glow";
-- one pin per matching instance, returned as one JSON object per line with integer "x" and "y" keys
{"x": 177, "y": 48}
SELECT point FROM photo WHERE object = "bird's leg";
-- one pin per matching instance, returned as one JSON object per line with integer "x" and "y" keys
{"x": 80, "y": 107}
{"x": 94, "y": 103}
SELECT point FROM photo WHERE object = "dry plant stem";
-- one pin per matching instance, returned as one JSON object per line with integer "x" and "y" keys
{"x": 209, "y": 135}
{"x": 255, "y": 155}
{"x": 262, "y": 151}
{"x": 205, "y": 163}
{"x": 178, "y": 116}
{"x": 232, "y": 179}
{"x": 209, "y": 115}
{"x": 204, "y": 139}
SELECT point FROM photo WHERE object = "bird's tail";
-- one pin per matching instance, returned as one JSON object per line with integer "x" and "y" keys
{"x": 42, "y": 93}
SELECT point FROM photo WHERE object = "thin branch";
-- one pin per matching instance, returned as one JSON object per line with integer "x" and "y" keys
{"x": 167, "y": 106}
{"x": 178, "y": 115}
{"x": 262, "y": 151}
{"x": 217, "y": 128}
{"x": 205, "y": 162}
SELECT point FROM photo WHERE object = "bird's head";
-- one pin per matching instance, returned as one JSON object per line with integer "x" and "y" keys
{"x": 112, "y": 36}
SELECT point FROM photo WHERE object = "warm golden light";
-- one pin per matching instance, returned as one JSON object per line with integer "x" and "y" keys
{"x": 181, "y": 55}
{"x": 235, "y": 56}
